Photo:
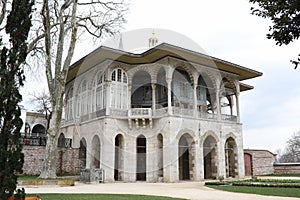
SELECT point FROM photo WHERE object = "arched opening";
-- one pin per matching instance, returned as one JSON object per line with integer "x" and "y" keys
{"x": 210, "y": 158}
{"x": 61, "y": 141}
{"x": 119, "y": 159}
{"x": 186, "y": 157}
{"x": 82, "y": 153}
{"x": 205, "y": 95}
{"x": 248, "y": 164}
{"x": 182, "y": 89}
{"x": 38, "y": 130}
{"x": 160, "y": 156}
{"x": 227, "y": 97}
{"x": 141, "y": 91}
{"x": 95, "y": 161}
{"x": 231, "y": 158}
{"x": 141, "y": 158}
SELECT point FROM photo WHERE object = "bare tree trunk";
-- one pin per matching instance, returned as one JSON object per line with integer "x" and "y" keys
{"x": 51, "y": 155}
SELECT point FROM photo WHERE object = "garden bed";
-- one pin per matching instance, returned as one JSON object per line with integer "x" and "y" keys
{"x": 287, "y": 183}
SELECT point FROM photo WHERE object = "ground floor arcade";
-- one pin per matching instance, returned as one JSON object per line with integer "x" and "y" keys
{"x": 165, "y": 153}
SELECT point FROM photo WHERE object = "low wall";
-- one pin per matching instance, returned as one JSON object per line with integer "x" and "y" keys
{"x": 67, "y": 162}
{"x": 261, "y": 161}
{"x": 287, "y": 168}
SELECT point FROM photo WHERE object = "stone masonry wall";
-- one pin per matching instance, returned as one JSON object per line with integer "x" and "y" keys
{"x": 262, "y": 161}
{"x": 67, "y": 162}
{"x": 287, "y": 168}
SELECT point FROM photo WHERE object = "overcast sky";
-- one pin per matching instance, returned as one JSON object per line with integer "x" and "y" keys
{"x": 227, "y": 30}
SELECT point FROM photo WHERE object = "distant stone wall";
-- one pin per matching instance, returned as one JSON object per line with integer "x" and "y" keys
{"x": 287, "y": 168}
{"x": 67, "y": 162}
{"x": 262, "y": 161}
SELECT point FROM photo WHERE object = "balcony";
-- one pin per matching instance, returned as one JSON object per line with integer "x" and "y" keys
{"x": 148, "y": 114}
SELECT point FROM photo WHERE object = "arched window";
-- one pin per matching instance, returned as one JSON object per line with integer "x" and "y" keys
{"x": 82, "y": 103}
{"x": 69, "y": 107}
{"x": 100, "y": 92}
{"x": 119, "y": 89}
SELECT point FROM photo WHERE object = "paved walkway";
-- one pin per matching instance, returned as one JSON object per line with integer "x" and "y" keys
{"x": 188, "y": 190}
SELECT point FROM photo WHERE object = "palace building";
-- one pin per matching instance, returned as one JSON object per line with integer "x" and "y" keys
{"x": 164, "y": 115}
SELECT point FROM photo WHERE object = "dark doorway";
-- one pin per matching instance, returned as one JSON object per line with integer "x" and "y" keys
{"x": 184, "y": 164}
{"x": 141, "y": 159}
{"x": 82, "y": 153}
{"x": 118, "y": 173}
{"x": 210, "y": 158}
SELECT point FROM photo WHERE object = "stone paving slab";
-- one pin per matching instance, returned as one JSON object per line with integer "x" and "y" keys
{"x": 188, "y": 190}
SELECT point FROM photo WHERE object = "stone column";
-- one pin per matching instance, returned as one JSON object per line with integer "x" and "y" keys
{"x": 219, "y": 115}
{"x": 88, "y": 155}
{"x": 221, "y": 158}
{"x": 151, "y": 160}
{"x": 169, "y": 83}
{"x": 195, "y": 99}
{"x": 129, "y": 96}
{"x": 129, "y": 159}
{"x": 198, "y": 162}
{"x": 170, "y": 159}
{"x": 107, "y": 109}
{"x": 153, "y": 85}
{"x": 237, "y": 96}
{"x": 108, "y": 157}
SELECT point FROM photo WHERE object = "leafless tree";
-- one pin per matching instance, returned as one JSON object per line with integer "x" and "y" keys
{"x": 42, "y": 105}
{"x": 57, "y": 27}
{"x": 292, "y": 150}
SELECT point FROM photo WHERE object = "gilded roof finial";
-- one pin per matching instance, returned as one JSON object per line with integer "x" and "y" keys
{"x": 153, "y": 40}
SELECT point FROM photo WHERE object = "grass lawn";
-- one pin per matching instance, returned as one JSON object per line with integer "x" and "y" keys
{"x": 285, "y": 192}
{"x": 101, "y": 197}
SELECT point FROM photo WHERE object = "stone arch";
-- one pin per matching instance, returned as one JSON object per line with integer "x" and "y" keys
{"x": 116, "y": 66}
{"x": 38, "y": 130}
{"x": 141, "y": 68}
{"x": 61, "y": 140}
{"x": 210, "y": 156}
{"x": 231, "y": 157}
{"x": 82, "y": 153}
{"x": 209, "y": 133}
{"x": 186, "y": 68}
{"x": 141, "y": 158}
{"x": 119, "y": 158}
{"x": 186, "y": 131}
{"x": 186, "y": 157}
{"x": 96, "y": 152}
{"x": 156, "y": 70}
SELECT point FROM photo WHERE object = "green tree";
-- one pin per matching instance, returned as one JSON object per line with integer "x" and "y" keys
{"x": 285, "y": 16}
{"x": 12, "y": 55}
